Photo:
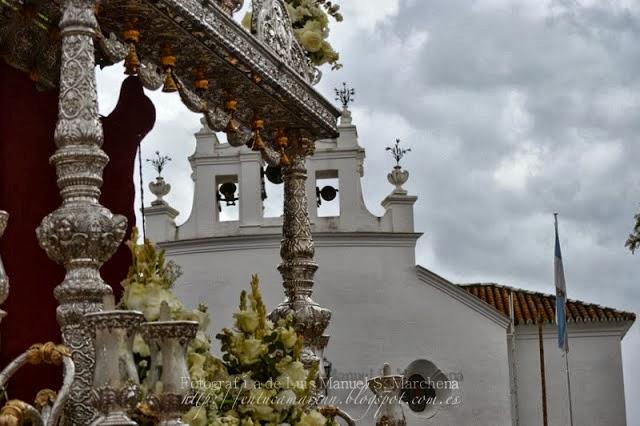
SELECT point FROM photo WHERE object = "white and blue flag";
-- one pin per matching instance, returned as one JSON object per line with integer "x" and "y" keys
{"x": 561, "y": 295}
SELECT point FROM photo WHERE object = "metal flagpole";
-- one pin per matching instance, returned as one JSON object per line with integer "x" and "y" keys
{"x": 566, "y": 360}
{"x": 514, "y": 370}
{"x": 543, "y": 378}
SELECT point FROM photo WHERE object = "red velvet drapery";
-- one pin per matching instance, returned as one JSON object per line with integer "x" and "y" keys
{"x": 28, "y": 192}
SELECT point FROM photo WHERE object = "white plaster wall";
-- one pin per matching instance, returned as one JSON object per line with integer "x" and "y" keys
{"x": 382, "y": 313}
{"x": 595, "y": 363}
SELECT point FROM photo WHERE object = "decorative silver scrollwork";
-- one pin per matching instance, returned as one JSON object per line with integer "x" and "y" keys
{"x": 49, "y": 404}
{"x": 151, "y": 76}
{"x": 230, "y": 6}
{"x": 271, "y": 24}
{"x": 116, "y": 51}
{"x": 217, "y": 119}
{"x": 190, "y": 99}
{"x": 112, "y": 48}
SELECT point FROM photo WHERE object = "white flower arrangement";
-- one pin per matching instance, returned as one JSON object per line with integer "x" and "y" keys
{"x": 310, "y": 21}
{"x": 260, "y": 379}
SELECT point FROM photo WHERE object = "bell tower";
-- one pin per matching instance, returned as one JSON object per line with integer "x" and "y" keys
{"x": 230, "y": 190}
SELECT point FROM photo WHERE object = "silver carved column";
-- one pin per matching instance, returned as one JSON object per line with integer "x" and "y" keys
{"x": 81, "y": 234}
{"x": 298, "y": 267}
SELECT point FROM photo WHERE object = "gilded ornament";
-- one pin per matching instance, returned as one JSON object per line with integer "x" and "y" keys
{"x": 48, "y": 353}
{"x": 200, "y": 83}
{"x": 258, "y": 126}
{"x": 168, "y": 61}
{"x": 45, "y": 397}
{"x": 231, "y": 105}
{"x": 132, "y": 37}
{"x": 13, "y": 413}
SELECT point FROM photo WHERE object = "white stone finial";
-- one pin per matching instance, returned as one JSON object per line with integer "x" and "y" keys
{"x": 345, "y": 96}
{"x": 345, "y": 118}
{"x": 398, "y": 176}
{"x": 159, "y": 188}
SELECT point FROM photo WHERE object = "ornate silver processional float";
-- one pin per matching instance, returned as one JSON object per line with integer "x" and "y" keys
{"x": 256, "y": 87}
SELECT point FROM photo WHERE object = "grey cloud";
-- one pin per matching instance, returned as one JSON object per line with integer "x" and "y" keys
{"x": 576, "y": 70}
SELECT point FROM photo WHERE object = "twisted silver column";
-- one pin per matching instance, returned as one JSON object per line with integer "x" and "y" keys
{"x": 81, "y": 234}
{"x": 298, "y": 267}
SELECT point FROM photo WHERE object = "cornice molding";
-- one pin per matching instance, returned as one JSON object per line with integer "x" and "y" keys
{"x": 272, "y": 241}
{"x": 582, "y": 329}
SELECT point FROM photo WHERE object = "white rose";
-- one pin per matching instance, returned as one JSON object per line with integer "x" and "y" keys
{"x": 196, "y": 364}
{"x": 140, "y": 346}
{"x": 248, "y": 350}
{"x": 134, "y": 296}
{"x": 196, "y": 416}
{"x": 285, "y": 400}
{"x": 313, "y": 418}
{"x": 263, "y": 412}
{"x": 225, "y": 421}
{"x": 247, "y": 321}
{"x": 154, "y": 297}
{"x": 292, "y": 375}
{"x": 288, "y": 337}
{"x": 246, "y": 21}
{"x": 311, "y": 40}
{"x": 200, "y": 342}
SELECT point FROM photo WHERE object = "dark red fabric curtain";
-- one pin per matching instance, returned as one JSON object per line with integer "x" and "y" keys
{"x": 28, "y": 191}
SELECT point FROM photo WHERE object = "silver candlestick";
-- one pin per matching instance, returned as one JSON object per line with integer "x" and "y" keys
{"x": 116, "y": 387}
{"x": 168, "y": 378}
{"x": 388, "y": 389}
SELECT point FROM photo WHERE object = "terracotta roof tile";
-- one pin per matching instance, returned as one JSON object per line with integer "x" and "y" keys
{"x": 528, "y": 304}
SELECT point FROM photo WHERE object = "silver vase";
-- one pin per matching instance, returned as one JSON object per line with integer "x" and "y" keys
{"x": 388, "y": 389}
{"x": 168, "y": 378}
{"x": 116, "y": 387}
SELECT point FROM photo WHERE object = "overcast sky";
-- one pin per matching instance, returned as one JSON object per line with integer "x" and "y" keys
{"x": 514, "y": 109}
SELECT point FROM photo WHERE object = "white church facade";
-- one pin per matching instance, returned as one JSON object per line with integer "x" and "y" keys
{"x": 385, "y": 307}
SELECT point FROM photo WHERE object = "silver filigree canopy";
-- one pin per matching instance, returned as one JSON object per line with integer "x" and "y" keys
{"x": 261, "y": 76}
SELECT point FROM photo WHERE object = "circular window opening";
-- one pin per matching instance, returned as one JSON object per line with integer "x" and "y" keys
{"x": 418, "y": 393}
